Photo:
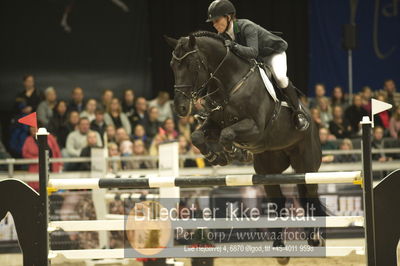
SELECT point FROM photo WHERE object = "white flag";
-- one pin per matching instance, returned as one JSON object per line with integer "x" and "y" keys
{"x": 378, "y": 106}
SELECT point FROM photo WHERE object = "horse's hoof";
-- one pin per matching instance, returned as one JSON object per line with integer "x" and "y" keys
{"x": 278, "y": 243}
{"x": 313, "y": 242}
{"x": 280, "y": 260}
{"x": 317, "y": 242}
{"x": 283, "y": 260}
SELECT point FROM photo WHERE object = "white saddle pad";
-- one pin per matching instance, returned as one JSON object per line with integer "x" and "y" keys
{"x": 270, "y": 87}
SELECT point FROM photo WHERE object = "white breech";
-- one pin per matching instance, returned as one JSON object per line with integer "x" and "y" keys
{"x": 278, "y": 65}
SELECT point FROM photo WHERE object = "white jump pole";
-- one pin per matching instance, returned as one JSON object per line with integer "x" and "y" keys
{"x": 175, "y": 182}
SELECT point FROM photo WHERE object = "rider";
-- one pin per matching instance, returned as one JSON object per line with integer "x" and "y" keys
{"x": 250, "y": 40}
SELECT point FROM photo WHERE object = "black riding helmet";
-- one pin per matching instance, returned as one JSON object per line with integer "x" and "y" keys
{"x": 219, "y": 8}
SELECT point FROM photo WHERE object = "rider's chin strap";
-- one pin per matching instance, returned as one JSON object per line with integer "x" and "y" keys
{"x": 228, "y": 26}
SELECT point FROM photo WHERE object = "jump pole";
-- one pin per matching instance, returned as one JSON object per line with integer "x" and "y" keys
{"x": 154, "y": 181}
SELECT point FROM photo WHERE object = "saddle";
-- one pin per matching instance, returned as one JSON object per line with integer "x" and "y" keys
{"x": 272, "y": 88}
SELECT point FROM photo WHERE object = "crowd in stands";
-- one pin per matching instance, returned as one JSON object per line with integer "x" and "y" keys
{"x": 126, "y": 126}
{"x": 135, "y": 126}
{"x": 339, "y": 121}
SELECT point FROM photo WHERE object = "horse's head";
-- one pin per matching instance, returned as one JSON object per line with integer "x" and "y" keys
{"x": 190, "y": 73}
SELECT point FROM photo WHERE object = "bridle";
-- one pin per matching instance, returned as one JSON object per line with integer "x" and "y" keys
{"x": 194, "y": 96}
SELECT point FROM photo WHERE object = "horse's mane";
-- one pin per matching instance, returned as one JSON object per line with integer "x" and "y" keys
{"x": 208, "y": 34}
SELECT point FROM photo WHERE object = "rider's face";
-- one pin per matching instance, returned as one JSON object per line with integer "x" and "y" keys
{"x": 220, "y": 24}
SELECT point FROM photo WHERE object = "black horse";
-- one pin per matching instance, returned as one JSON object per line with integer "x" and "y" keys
{"x": 240, "y": 118}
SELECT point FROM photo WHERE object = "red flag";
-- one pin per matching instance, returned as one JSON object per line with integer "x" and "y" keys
{"x": 29, "y": 120}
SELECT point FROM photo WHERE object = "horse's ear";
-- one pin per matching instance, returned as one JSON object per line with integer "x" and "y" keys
{"x": 171, "y": 41}
{"x": 192, "y": 41}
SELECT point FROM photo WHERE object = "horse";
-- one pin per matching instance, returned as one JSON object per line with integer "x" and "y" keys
{"x": 240, "y": 119}
{"x": 22, "y": 202}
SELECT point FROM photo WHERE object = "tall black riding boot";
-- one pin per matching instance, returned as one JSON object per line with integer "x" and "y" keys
{"x": 300, "y": 119}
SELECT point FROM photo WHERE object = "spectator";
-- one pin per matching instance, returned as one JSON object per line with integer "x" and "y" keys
{"x": 98, "y": 123}
{"x": 339, "y": 126}
{"x": 30, "y": 96}
{"x": 354, "y": 115}
{"x": 319, "y": 93}
{"x": 106, "y": 98}
{"x": 90, "y": 109}
{"x": 139, "y": 149}
{"x": 185, "y": 126}
{"x": 114, "y": 152}
{"x": 30, "y": 150}
{"x": 92, "y": 142}
{"x": 116, "y": 117}
{"x": 383, "y": 118}
{"x": 338, "y": 98}
{"x": 162, "y": 102}
{"x": 128, "y": 103}
{"x": 77, "y": 102}
{"x": 394, "y": 125}
{"x": 366, "y": 95}
{"x": 18, "y": 132}
{"x": 379, "y": 144}
{"x": 326, "y": 144}
{"x": 124, "y": 144}
{"x": 139, "y": 133}
{"x": 346, "y": 145}
{"x": 121, "y": 135}
{"x": 183, "y": 148}
{"x": 168, "y": 129}
{"x": 157, "y": 140}
{"x": 152, "y": 124}
{"x": 183, "y": 145}
{"x": 141, "y": 116}
{"x": 61, "y": 124}
{"x": 126, "y": 148}
{"x": 110, "y": 134}
{"x": 390, "y": 88}
{"x": 325, "y": 140}
{"x": 324, "y": 111}
{"x": 45, "y": 108}
{"x": 77, "y": 139}
{"x": 316, "y": 117}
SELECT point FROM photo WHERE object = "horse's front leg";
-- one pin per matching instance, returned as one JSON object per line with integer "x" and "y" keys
{"x": 245, "y": 129}
{"x": 206, "y": 140}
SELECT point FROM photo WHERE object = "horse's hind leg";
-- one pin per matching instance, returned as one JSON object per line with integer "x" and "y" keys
{"x": 306, "y": 158}
{"x": 273, "y": 162}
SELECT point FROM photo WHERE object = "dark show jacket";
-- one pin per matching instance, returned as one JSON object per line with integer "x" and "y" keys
{"x": 253, "y": 41}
